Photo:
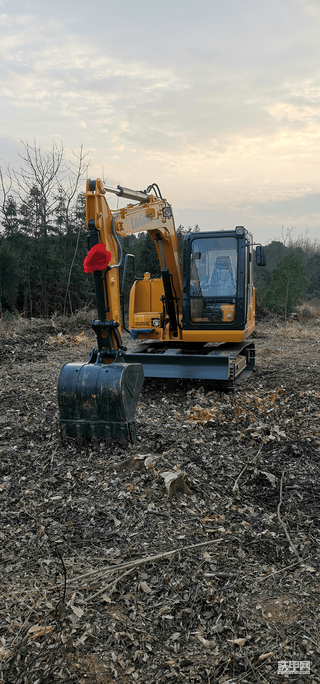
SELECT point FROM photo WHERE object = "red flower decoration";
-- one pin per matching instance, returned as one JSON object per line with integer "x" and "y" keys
{"x": 97, "y": 258}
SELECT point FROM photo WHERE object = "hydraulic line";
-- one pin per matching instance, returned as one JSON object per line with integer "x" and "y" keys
{"x": 118, "y": 243}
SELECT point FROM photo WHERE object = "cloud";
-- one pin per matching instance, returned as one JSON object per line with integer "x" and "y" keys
{"x": 219, "y": 103}
{"x": 21, "y": 33}
{"x": 311, "y": 7}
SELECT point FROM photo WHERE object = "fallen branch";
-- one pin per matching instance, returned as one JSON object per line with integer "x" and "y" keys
{"x": 111, "y": 585}
{"x": 287, "y": 567}
{"x": 140, "y": 561}
{"x": 161, "y": 514}
{"x": 291, "y": 544}
{"x": 235, "y": 486}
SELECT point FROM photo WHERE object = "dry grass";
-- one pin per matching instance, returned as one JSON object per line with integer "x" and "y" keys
{"x": 68, "y": 329}
{"x": 55, "y": 325}
{"x": 297, "y": 330}
{"x": 309, "y": 309}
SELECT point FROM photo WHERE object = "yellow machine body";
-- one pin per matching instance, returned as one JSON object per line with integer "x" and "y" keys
{"x": 144, "y": 309}
{"x": 192, "y": 322}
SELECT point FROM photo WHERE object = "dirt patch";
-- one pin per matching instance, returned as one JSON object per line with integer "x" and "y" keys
{"x": 161, "y": 588}
{"x": 281, "y": 609}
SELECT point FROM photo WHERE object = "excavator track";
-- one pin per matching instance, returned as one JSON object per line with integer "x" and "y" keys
{"x": 224, "y": 366}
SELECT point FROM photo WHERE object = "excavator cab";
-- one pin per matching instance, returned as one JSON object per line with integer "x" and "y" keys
{"x": 203, "y": 333}
{"x": 218, "y": 280}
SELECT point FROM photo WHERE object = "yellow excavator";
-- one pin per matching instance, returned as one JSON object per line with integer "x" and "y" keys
{"x": 190, "y": 324}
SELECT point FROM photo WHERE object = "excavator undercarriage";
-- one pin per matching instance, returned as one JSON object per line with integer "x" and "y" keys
{"x": 219, "y": 365}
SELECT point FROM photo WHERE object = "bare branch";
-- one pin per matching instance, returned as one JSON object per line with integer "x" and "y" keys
{"x": 77, "y": 170}
{"x": 47, "y": 177}
{"x": 5, "y": 190}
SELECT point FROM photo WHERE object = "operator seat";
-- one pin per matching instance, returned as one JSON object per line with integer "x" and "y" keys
{"x": 222, "y": 282}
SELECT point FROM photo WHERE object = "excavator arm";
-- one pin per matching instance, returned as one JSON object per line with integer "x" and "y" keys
{"x": 98, "y": 399}
{"x": 154, "y": 215}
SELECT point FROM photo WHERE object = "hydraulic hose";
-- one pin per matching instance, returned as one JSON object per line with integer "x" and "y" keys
{"x": 118, "y": 243}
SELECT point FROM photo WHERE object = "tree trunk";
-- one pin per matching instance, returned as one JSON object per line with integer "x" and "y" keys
{"x": 286, "y": 302}
{"x": 30, "y": 298}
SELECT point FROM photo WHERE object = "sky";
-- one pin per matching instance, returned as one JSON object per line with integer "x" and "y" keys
{"x": 217, "y": 101}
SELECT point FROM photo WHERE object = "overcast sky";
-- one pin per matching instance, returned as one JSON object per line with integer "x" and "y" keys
{"x": 218, "y": 101}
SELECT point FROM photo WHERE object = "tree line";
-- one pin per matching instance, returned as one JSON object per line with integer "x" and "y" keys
{"x": 43, "y": 237}
{"x": 43, "y": 242}
{"x": 291, "y": 274}
{"x": 42, "y": 215}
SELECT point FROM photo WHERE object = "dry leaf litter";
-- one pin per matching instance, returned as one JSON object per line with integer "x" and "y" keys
{"x": 191, "y": 556}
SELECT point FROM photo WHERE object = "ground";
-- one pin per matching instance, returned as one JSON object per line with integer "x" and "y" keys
{"x": 113, "y": 570}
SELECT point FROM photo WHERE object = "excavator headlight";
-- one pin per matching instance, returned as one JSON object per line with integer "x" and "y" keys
{"x": 155, "y": 322}
{"x": 167, "y": 212}
{"x": 240, "y": 230}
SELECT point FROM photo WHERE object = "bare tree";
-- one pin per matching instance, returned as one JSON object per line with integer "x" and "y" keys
{"x": 39, "y": 176}
{"x": 6, "y": 187}
{"x": 76, "y": 169}
{"x": 286, "y": 235}
{"x": 306, "y": 243}
{"x": 44, "y": 179}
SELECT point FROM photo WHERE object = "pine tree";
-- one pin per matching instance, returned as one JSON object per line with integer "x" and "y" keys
{"x": 10, "y": 219}
{"x": 9, "y": 274}
{"x": 146, "y": 255}
{"x": 288, "y": 285}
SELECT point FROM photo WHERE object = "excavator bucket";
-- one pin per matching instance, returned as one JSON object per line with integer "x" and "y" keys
{"x": 98, "y": 401}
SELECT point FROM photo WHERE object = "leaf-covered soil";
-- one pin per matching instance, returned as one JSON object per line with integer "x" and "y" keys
{"x": 210, "y": 574}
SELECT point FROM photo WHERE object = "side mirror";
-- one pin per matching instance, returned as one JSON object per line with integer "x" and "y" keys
{"x": 260, "y": 256}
